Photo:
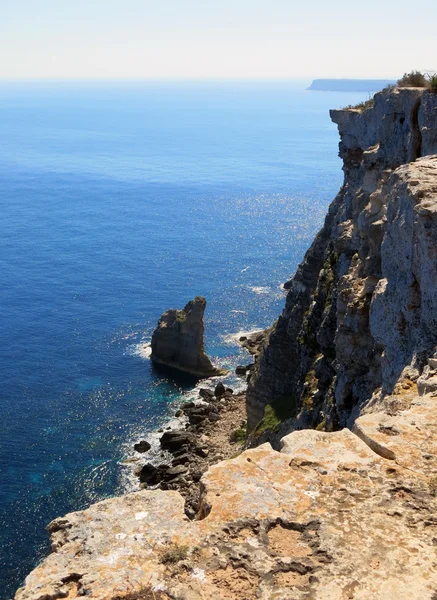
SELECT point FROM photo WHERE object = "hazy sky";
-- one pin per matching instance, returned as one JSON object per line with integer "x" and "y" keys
{"x": 221, "y": 38}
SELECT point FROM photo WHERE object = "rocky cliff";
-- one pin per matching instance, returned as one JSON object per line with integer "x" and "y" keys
{"x": 177, "y": 342}
{"x": 359, "y": 323}
{"x": 347, "y": 513}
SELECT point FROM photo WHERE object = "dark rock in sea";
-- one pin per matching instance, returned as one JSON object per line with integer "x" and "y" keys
{"x": 179, "y": 413}
{"x": 142, "y": 446}
{"x": 174, "y": 440}
{"x": 242, "y": 369}
{"x": 206, "y": 394}
{"x": 219, "y": 390}
{"x": 177, "y": 342}
{"x": 149, "y": 474}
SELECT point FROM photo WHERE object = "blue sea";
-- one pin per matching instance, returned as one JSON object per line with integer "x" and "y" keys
{"x": 118, "y": 201}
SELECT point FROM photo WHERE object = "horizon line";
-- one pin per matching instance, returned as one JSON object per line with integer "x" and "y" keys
{"x": 185, "y": 79}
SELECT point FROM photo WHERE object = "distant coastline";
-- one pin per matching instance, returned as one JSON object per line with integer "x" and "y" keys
{"x": 350, "y": 85}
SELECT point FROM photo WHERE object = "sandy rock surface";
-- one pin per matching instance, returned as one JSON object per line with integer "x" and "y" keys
{"x": 325, "y": 518}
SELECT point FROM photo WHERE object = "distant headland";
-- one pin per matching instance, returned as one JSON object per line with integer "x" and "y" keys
{"x": 350, "y": 85}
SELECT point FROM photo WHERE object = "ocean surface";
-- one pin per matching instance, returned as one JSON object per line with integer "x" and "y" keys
{"x": 119, "y": 201}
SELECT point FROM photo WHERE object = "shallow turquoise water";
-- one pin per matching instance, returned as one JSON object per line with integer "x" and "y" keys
{"x": 120, "y": 200}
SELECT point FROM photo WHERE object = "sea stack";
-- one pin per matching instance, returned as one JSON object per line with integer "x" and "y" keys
{"x": 177, "y": 342}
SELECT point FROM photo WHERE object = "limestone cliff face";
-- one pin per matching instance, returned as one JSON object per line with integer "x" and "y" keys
{"x": 359, "y": 324}
{"x": 177, "y": 342}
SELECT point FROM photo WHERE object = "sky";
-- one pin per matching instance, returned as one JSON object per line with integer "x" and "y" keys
{"x": 206, "y": 39}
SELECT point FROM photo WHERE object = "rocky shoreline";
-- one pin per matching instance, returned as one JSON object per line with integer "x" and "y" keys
{"x": 214, "y": 431}
{"x": 208, "y": 429}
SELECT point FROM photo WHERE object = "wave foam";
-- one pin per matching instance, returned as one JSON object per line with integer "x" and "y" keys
{"x": 233, "y": 339}
{"x": 143, "y": 350}
{"x": 260, "y": 289}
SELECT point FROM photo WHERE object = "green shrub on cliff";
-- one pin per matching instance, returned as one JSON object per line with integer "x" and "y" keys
{"x": 238, "y": 436}
{"x": 281, "y": 409}
{"x": 361, "y": 105}
{"x": 413, "y": 79}
{"x": 175, "y": 555}
{"x": 433, "y": 84}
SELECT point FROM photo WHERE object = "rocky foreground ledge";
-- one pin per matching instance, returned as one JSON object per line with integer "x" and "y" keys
{"x": 333, "y": 516}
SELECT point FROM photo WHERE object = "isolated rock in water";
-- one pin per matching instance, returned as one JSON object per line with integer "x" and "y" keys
{"x": 142, "y": 446}
{"x": 149, "y": 474}
{"x": 242, "y": 369}
{"x": 178, "y": 340}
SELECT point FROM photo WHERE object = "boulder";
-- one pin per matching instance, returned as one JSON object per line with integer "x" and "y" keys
{"x": 149, "y": 474}
{"x": 242, "y": 369}
{"x": 196, "y": 417}
{"x": 174, "y": 440}
{"x": 206, "y": 394}
{"x": 173, "y": 472}
{"x": 177, "y": 342}
{"x": 220, "y": 390}
{"x": 142, "y": 446}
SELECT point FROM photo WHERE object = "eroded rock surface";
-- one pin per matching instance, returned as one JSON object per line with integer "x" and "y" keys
{"x": 325, "y": 518}
{"x": 177, "y": 342}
